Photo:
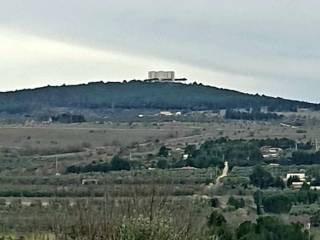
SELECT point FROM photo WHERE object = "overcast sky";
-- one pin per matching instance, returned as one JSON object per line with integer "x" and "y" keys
{"x": 268, "y": 47}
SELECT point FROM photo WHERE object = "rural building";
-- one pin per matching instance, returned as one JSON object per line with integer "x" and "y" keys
{"x": 89, "y": 181}
{"x": 222, "y": 113}
{"x": 243, "y": 110}
{"x": 162, "y": 75}
{"x": 185, "y": 156}
{"x": 270, "y": 152}
{"x": 298, "y": 185}
{"x": 304, "y": 110}
{"x": 264, "y": 109}
{"x": 301, "y": 176}
{"x": 165, "y": 113}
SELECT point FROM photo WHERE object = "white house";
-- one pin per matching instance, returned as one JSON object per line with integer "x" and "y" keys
{"x": 301, "y": 176}
{"x": 162, "y": 75}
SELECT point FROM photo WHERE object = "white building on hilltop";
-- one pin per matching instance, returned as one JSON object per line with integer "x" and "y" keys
{"x": 162, "y": 75}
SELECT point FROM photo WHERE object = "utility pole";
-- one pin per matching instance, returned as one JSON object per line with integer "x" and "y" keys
{"x": 317, "y": 145}
{"x": 57, "y": 171}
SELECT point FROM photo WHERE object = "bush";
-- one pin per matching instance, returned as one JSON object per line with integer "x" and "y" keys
{"x": 236, "y": 203}
{"x": 163, "y": 152}
{"x": 162, "y": 163}
{"x": 279, "y": 203}
{"x": 118, "y": 164}
{"x": 270, "y": 228}
{"x": 261, "y": 178}
{"x": 142, "y": 228}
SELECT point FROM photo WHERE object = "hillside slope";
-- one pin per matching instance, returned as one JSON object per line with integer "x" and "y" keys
{"x": 139, "y": 94}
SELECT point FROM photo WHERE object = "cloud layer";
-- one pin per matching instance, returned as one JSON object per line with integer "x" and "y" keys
{"x": 255, "y": 46}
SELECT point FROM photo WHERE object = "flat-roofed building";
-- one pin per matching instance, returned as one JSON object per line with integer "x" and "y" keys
{"x": 162, "y": 75}
{"x": 301, "y": 176}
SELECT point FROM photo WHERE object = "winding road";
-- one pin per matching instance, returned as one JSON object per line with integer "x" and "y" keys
{"x": 225, "y": 172}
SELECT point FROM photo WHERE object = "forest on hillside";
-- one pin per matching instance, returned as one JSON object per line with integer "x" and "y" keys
{"x": 141, "y": 95}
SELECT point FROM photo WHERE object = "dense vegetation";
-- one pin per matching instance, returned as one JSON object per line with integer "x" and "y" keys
{"x": 236, "y": 152}
{"x": 255, "y": 115}
{"x": 282, "y": 202}
{"x": 117, "y": 164}
{"x": 305, "y": 158}
{"x": 139, "y": 94}
{"x": 263, "y": 179}
{"x": 265, "y": 228}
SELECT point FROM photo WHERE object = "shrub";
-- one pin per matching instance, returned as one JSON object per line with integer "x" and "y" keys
{"x": 236, "y": 203}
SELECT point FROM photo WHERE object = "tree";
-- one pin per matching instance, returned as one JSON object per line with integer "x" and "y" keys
{"x": 236, "y": 203}
{"x": 118, "y": 164}
{"x": 190, "y": 150}
{"x": 305, "y": 187}
{"x": 216, "y": 219}
{"x": 278, "y": 203}
{"x": 162, "y": 163}
{"x": 244, "y": 229}
{"x": 315, "y": 219}
{"x": 261, "y": 178}
{"x": 258, "y": 196}
{"x": 292, "y": 179}
{"x": 218, "y": 226}
{"x": 279, "y": 183}
{"x": 163, "y": 151}
{"x": 268, "y": 228}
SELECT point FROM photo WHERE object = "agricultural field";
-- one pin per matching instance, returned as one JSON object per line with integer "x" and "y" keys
{"x": 137, "y": 173}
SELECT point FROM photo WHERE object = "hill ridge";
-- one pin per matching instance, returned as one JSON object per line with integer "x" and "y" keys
{"x": 141, "y": 94}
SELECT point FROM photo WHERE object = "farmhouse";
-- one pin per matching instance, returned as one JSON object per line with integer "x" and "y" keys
{"x": 301, "y": 176}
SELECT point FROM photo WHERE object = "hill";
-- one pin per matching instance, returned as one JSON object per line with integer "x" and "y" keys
{"x": 139, "y": 94}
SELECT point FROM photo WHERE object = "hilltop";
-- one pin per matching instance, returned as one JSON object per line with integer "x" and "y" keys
{"x": 141, "y": 95}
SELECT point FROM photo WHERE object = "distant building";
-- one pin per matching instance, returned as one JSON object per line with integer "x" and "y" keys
{"x": 298, "y": 185}
{"x": 89, "y": 181}
{"x": 301, "y": 176}
{"x": 243, "y": 110}
{"x": 165, "y": 113}
{"x": 162, "y": 75}
{"x": 303, "y": 110}
{"x": 188, "y": 168}
{"x": 270, "y": 152}
{"x": 222, "y": 113}
{"x": 264, "y": 109}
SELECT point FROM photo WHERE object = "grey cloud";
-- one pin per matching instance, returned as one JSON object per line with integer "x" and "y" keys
{"x": 274, "y": 41}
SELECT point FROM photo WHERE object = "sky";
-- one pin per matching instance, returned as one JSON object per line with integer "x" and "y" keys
{"x": 256, "y": 46}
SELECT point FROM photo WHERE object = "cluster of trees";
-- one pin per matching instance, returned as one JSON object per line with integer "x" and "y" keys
{"x": 69, "y": 118}
{"x": 264, "y": 179}
{"x": 236, "y": 202}
{"x": 252, "y": 116}
{"x": 213, "y": 153}
{"x": 117, "y": 164}
{"x": 282, "y": 202}
{"x": 271, "y": 228}
{"x": 139, "y": 94}
{"x": 237, "y": 152}
{"x": 265, "y": 228}
{"x": 305, "y": 158}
